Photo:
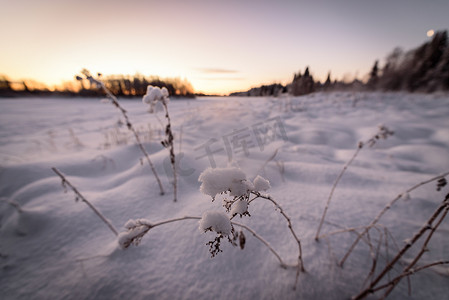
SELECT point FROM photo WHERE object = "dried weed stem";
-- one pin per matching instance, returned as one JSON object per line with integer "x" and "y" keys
{"x": 79, "y": 196}
{"x": 385, "y": 209}
{"x": 383, "y": 133}
{"x": 442, "y": 209}
{"x": 168, "y": 143}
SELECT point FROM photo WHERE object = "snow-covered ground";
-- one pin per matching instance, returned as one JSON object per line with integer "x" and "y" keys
{"x": 56, "y": 248}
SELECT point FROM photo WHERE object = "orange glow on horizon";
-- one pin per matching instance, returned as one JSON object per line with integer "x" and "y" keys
{"x": 219, "y": 47}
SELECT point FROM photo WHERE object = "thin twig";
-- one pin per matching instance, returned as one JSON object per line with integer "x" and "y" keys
{"x": 374, "y": 255}
{"x": 383, "y": 133}
{"x": 423, "y": 248}
{"x": 283, "y": 264}
{"x": 267, "y": 161}
{"x": 152, "y": 225}
{"x": 295, "y": 236}
{"x": 168, "y": 143}
{"x": 408, "y": 273}
{"x": 65, "y": 182}
{"x": 181, "y": 130}
{"x": 385, "y": 209}
{"x": 12, "y": 203}
{"x": 130, "y": 127}
{"x": 329, "y": 198}
{"x": 444, "y": 206}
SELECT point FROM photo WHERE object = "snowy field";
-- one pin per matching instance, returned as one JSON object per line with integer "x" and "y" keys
{"x": 52, "y": 247}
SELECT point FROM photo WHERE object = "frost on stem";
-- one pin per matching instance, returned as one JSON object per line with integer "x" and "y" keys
{"x": 136, "y": 230}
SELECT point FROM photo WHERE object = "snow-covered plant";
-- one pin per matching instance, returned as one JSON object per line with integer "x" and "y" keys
{"x": 154, "y": 96}
{"x": 136, "y": 230}
{"x": 239, "y": 193}
{"x": 216, "y": 221}
{"x": 129, "y": 125}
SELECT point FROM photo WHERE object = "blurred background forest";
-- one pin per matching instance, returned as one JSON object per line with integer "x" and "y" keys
{"x": 120, "y": 85}
{"x": 422, "y": 69}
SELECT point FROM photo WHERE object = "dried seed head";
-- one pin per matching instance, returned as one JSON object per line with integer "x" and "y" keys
{"x": 242, "y": 240}
{"x": 441, "y": 183}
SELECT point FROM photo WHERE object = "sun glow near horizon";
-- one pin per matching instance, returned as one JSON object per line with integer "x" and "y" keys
{"x": 218, "y": 47}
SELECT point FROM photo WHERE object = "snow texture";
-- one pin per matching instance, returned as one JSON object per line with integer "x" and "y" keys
{"x": 239, "y": 208}
{"x": 220, "y": 180}
{"x": 216, "y": 221}
{"x": 56, "y": 248}
{"x": 261, "y": 184}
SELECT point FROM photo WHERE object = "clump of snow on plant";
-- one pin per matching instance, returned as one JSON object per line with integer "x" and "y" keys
{"x": 136, "y": 228}
{"x": 239, "y": 208}
{"x": 155, "y": 94}
{"x": 220, "y": 180}
{"x": 261, "y": 184}
{"x": 216, "y": 221}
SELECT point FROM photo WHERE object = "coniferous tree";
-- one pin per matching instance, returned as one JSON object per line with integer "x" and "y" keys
{"x": 373, "y": 76}
{"x": 302, "y": 85}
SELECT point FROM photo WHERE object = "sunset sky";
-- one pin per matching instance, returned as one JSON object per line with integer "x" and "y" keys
{"x": 219, "y": 46}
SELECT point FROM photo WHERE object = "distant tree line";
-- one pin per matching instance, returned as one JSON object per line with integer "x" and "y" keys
{"x": 274, "y": 89}
{"x": 423, "y": 69}
{"x": 120, "y": 85}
